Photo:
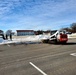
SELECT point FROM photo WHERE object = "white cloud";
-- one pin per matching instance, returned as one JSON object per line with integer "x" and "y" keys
{"x": 37, "y": 14}
{"x": 54, "y": 9}
{"x": 7, "y": 5}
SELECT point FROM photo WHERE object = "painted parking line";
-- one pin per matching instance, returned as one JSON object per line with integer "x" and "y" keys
{"x": 37, "y": 68}
{"x": 73, "y": 54}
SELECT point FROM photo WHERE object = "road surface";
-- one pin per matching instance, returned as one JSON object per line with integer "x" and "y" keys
{"x": 38, "y": 59}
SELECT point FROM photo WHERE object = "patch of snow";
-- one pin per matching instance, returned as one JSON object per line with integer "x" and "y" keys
{"x": 73, "y": 35}
{"x": 28, "y": 39}
{"x": 1, "y": 40}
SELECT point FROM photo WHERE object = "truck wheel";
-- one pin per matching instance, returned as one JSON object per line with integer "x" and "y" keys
{"x": 45, "y": 41}
{"x": 52, "y": 41}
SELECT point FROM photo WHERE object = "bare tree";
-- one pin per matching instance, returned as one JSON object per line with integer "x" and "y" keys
{"x": 73, "y": 27}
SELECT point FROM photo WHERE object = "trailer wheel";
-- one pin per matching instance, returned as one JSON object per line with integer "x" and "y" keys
{"x": 45, "y": 41}
{"x": 52, "y": 41}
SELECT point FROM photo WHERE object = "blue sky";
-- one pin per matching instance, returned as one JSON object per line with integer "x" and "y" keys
{"x": 36, "y": 14}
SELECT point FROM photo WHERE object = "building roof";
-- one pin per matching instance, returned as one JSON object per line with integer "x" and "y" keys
{"x": 25, "y": 30}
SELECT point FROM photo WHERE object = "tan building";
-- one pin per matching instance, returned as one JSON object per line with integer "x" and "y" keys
{"x": 25, "y": 32}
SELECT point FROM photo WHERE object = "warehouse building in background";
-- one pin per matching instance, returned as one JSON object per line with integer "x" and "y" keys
{"x": 25, "y": 32}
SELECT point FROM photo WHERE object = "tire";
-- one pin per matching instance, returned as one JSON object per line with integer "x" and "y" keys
{"x": 45, "y": 41}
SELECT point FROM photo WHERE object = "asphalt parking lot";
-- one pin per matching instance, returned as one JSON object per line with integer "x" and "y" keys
{"x": 38, "y": 59}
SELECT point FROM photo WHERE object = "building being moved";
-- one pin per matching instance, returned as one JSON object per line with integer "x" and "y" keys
{"x": 25, "y": 32}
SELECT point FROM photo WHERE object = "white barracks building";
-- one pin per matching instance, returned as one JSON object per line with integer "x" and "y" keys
{"x": 25, "y": 32}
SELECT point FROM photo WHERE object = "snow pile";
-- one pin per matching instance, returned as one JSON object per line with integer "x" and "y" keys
{"x": 36, "y": 38}
{"x": 32, "y": 38}
{"x": 6, "y": 41}
{"x": 72, "y": 35}
{"x": 28, "y": 39}
{"x": 1, "y": 40}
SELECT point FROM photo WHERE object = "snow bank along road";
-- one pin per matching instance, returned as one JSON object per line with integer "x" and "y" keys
{"x": 38, "y": 59}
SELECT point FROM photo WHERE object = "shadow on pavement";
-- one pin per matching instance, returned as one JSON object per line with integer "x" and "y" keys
{"x": 68, "y": 43}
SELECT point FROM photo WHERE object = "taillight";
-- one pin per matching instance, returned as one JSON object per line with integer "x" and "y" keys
{"x": 63, "y": 35}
